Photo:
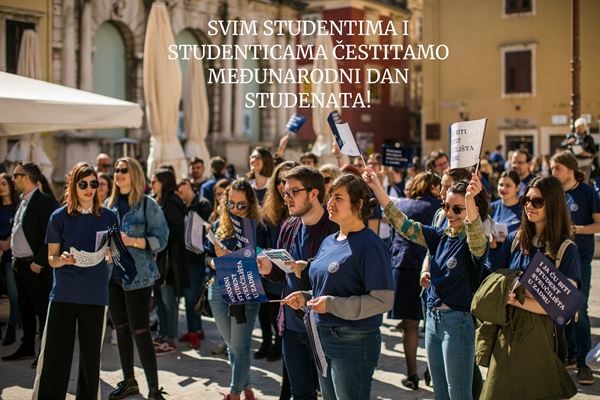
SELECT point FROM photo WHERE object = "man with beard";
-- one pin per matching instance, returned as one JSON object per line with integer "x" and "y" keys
{"x": 301, "y": 235}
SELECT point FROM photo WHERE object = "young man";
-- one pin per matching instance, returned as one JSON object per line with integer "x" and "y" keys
{"x": 301, "y": 235}
{"x": 521, "y": 163}
{"x": 217, "y": 169}
{"x": 30, "y": 257}
{"x": 196, "y": 166}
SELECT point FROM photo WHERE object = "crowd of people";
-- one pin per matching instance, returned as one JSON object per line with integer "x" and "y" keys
{"x": 426, "y": 243}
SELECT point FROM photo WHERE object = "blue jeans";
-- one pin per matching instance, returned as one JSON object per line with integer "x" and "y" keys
{"x": 298, "y": 357}
{"x": 450, "y": 344}
{"x": 352, "y": 356}
{"x": 238, "y": 338}
{"x": 170, "y": 312}
{"x": 191, "y": 294}
{"x": 11, "y": 291}
{"x": 578, "y": 333}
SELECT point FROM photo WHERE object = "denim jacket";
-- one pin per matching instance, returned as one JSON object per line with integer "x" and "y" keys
{"x": 156, "y": 233}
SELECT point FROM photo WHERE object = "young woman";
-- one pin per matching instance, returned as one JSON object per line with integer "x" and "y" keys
{"x": 261, "y": 168}
{"x": 9, "y": 201}
{"x": 351, "y": 277}
{"x": 235, "y": 323}
{"x": 274, "y": 212}
{"x": 329, "y": 172}
{"x": 105, "y": 188}
{"x": 584, "y": 207}
{"x": 145, "y": 232}
{"x": 458, "y": 255}
{"x": 80, "y": 291}
{"x": 506, "y": 211}
{"x": 172, "y": 261}
{"x": 420, "y": 205}
{"x": 524, "y": 363}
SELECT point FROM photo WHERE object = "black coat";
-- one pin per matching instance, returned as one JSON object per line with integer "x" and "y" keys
{"x": 172, "y": 261}
{"x": 35, "y": 224}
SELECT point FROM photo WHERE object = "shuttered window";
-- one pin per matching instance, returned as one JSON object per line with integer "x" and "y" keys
{"x": 517, "y": 72}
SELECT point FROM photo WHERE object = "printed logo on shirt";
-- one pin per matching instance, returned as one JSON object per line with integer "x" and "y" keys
{"x": 247, "y": 253}
{"x": 452, "y": 263}
{"x": 574, "y": 207}
{"x": 333, "y": 267}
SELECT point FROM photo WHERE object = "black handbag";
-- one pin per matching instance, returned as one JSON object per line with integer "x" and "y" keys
{"x": 203, "y": 306}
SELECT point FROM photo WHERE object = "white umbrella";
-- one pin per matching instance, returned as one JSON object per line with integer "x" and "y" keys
{"x": 322, "y": 145}
{"x": 195, "y": 110}
{"x": 29, "y": 105}
{"x": 162, "y": 91}
{"x": 30, "y": 147}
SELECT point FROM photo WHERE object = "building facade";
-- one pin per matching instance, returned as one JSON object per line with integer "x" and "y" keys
{"x": 510, "y": 62}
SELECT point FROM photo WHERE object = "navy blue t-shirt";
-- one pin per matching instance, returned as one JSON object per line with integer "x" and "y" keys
{"x": 583, "y": 202}
{"x": 510, "y": 216}
{"x": 74, "y": 284}
{"x": 406, "y": 254}
{"x": 570, "y": 264}
{"x": 452, "y": 269}
{"x": 351, "y": 267}
{"x": 7, "y": 213}
{"x": 524, "y": 183}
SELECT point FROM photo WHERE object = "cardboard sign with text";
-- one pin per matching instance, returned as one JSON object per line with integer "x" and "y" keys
{"x": 466, "y": 139}
{"x": 238, "y": 277}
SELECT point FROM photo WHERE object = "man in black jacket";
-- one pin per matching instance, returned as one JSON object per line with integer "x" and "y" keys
{"x": 30, "y": 256}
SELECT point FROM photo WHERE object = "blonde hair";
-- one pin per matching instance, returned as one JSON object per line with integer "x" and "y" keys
{"x": 138, "y": 183}
{"x": 225, "y": 229}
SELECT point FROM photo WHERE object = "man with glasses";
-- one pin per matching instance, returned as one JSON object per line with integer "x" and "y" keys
{"x": 301, "y": 235}
{"x": 103, "y": 163}
{"x": 521, "y": 163}
{"x": 438, "y": 162}
{"x": 30, "y": 257}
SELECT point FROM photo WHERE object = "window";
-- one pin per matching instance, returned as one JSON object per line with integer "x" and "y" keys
{"x": 518, "y": 7}
{"x": 518, "y": 70}
{"x": 373, "y": 86}
{"x": 14, "y": 33}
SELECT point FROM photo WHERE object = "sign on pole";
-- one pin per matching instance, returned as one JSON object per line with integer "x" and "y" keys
{"x": 466, "y": 140}
{"x": 343, "y": 135}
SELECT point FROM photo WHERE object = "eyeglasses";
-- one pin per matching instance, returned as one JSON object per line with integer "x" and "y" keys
{"x": 242, "y": 205}
{"x": 536, "y": 202}
{"x": 327, "y": 180}
{"x": 106, "y": 165}
{"x": 292, "y": 192}
{"x": 121, "y": 170}
{"x": 84, "y": 184}
{"x": 455, "y": 209}
{"x": 18, "y": 174}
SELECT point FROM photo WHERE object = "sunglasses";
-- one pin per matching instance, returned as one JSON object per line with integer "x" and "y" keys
{"x": 455, "y": 209}
{"x": 240, "y": 206}
{"x": 292, "y": 192}
{"x": 84, "y": 184}
{"x": 121, "y": 170}
{"x": 327, "y": 180}
{"x": 536, "y": 202}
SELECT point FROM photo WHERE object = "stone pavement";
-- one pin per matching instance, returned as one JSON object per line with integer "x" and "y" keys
{"x": 190, "y": 374}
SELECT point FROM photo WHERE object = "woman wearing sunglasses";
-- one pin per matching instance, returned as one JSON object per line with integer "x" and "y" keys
{"x": 329, "y": 172}
{"x": 80, "y": 291}
{"x": 234, "y": 322}
{"x": 458, "y": 255}
{"x": 145, "y": 232}
{"x": 524, "y": 363}
{"x": 506, "y": 213}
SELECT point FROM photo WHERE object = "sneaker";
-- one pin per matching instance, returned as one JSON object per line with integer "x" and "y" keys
{"x": 156, "y": 394}
{"x": 185, "y": 338}
{"x": 249, "y": 394}
{"x": 585, "y": 376}
{"x": 411, "y": 382}
{"x": 165, "y": 348}
{"x": 10, "y": 337}
{"x": 124, "y": 389}
{"x": 571, "y": 363}
{"x": 220, "y": 349}
{"x": 194, "y": 340}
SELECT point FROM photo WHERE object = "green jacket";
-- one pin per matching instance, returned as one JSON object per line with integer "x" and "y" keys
{"x": 517, "y": 345}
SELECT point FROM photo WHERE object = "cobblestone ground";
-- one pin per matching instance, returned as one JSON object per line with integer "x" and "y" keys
{"x": 190, "y": 374}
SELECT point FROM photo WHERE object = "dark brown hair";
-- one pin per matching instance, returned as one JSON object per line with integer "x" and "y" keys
{"x": 422, "y": 184}
{"x": 274, "y": 210}
{"x": 568, "y": 159}
{"x": 482, "y": 200}
{"x": 359, "y": 192}
{"x": 512, "y": 175}
{"x": 267, "y": 159}
{"x": 558, "y": 219}
{"x": 13, "y": 194}
{"x": 78, "y": 172}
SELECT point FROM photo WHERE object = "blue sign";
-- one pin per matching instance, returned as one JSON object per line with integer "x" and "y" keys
{"x": 552, "y": 289}
{"x": 295, "y": 123}
{"x": 397, "y": 156}
{"x": 332, "y": 119}
{"x": 244, "y": 230}
{"x": 238, "y": 277}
